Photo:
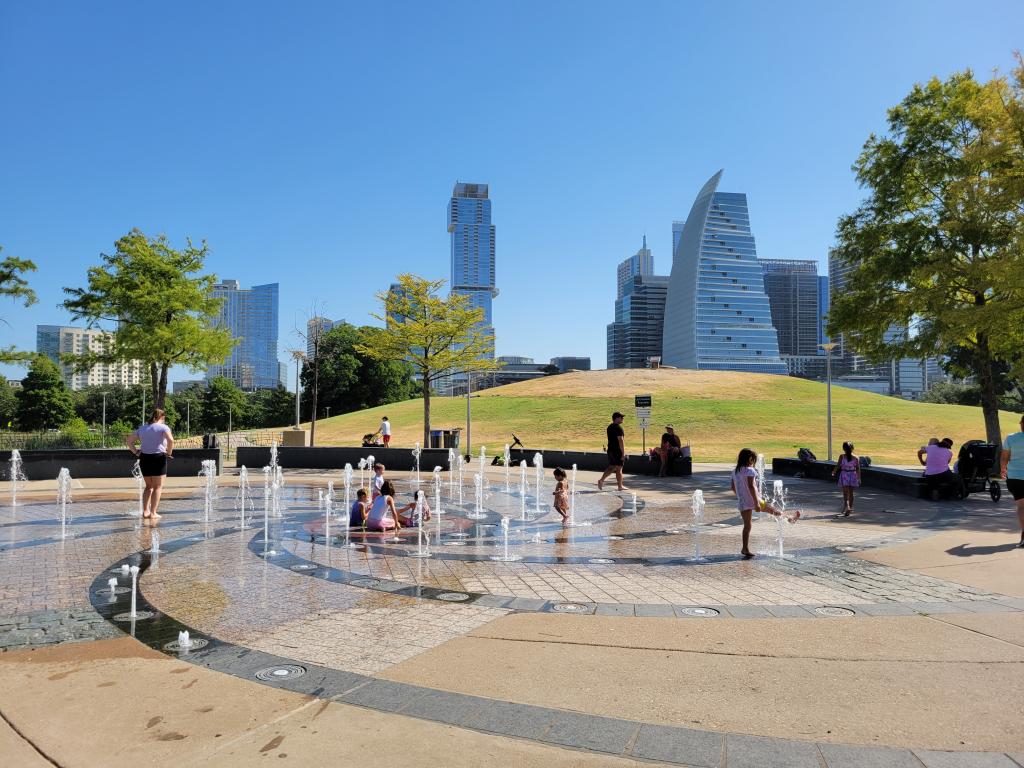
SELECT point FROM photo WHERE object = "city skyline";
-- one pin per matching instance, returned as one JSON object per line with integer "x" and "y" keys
{"x": 577, "y": 140}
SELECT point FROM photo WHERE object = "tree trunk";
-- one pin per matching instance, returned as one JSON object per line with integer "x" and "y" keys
{"x": 426, "y": 411}
{"x": 154, "y": 387}
{"x": 161, "y": 394}
{"x": 989, "y": 397}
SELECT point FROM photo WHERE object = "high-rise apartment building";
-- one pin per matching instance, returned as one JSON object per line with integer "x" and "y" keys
{"x": 317, "y": 326}
{"x": 635, "y": 335}
{"x": 792, "y": 288}
{"x": 56, "y": 340}
{"x": 717, "y": 316}
{"x": 641, "y": 264}
{"x": 250, "y": 314}
{"x": 472, "y": 248}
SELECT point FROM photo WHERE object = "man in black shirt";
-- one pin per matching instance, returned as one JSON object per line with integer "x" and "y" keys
{"x": 616, "y": 452}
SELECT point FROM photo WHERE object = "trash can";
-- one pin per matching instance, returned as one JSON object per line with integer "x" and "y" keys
{"x": 451, "y": 437}
{"x": 210, "y": 441}
{"x": 436, "y": 436}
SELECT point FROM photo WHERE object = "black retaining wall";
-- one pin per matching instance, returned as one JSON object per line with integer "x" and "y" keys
{"x": 102, "y": 462}
{"x": 906, "y": 481}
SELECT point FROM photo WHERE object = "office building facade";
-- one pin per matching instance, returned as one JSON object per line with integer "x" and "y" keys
{"x": 317, "y": 327}
{"x": 640, "y": 264}
{"x": 56, "y": 340}
{"x": 635, "y": 336}
{"x": 717, "y": 315}
{"x": 250, "y": 314}
{"x": 792, "y": 289}
{"x": 565, "y": 364}
{"x": 473, "y": 248}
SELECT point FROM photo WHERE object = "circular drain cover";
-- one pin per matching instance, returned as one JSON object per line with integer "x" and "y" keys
{"x": 833, "y": 610}
{"x": 613, "y": 538}
{"x": 673, "y": 530}
{"x": 570, "y": 608}
{"x": 365, "y": 582}
{"x": 114, "y": 591}
{"x": 194, "y": 644}
{"x": 304, "y": 567}
{"x": 139, "y": 616}
{"x": 283, "y": 672}
{"x": 700, "y": 611}
{"x": 453, "y": 597}
{"x": 600, "y": 560}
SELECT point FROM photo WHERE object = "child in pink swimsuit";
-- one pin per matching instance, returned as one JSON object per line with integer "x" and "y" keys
{"x": 848, "y": 470}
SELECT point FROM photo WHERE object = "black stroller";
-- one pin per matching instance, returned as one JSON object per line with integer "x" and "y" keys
{"x": 975, "y": 465}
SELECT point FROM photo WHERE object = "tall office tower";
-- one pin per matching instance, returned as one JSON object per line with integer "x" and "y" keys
{"x": 635, "y": 335}
{"x": 823, "y": 305}
{"x": 316, "y": 325}
{"x": 472, "y": 244}
{"x": 792, "y": 288}
{"x": 56, "y": 340}
{"x": 717, "y": 315}
{"x": 843, "y": 356}
{"x": 641, "y": 264}
{"x": 250, "y": 314}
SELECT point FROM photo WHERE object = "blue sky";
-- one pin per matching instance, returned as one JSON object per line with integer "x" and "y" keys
{"x": 315, "y": 144}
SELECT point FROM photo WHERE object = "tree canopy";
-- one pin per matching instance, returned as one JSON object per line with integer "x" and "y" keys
{"x": 439, "y": 337}
{"x": 164, "y": 308}
{"x": 936, "y": 251}
{"x": 13, "y": 285}
{"x": 44, "y": 401}
{"x": 224, "y": 405}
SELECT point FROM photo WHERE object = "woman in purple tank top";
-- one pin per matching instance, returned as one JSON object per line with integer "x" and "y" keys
{"x": 156, "y": 445}
{"x": 848, "y": 471}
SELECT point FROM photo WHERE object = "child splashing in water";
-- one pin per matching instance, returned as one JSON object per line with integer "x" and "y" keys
{"x": 561, "y": 504}
{"x": 748, "y": 497}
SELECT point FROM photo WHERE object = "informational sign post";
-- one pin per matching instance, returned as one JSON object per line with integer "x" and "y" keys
{"x": 642, "y": 403}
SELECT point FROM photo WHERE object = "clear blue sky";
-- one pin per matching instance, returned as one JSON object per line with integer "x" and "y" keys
{"x": 316, "y": 143}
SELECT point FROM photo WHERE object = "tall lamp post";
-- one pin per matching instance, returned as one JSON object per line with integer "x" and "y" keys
{"x": 298, "y": 356}
{"x": 828, "y": 347}
{"x": 469, "y": 414}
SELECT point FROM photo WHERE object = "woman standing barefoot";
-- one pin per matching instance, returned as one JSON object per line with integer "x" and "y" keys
{"x": 156, "y": 446}
{"x": 748, "y": 498}
{"x": 848, "y": 470}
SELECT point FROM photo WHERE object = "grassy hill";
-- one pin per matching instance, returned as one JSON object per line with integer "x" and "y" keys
{"x": 718, "y": 412}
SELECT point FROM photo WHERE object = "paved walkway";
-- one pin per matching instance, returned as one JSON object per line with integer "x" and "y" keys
{"x": 839, "y": 655}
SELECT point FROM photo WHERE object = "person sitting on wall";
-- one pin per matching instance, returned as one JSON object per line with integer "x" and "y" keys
{"x": 936, "y": 457}
{"x": 670, "y": 448}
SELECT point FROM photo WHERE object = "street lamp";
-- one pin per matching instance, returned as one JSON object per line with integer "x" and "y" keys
{"x": 104, "y": 419}
{"x": 328, "y": 411}
{"x": 469, "y": 414}
{"x": 298, "y": 356}
{"x": 828, "y": 347}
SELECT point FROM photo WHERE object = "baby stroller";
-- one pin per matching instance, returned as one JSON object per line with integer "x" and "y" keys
{"x": 975, "y": 465}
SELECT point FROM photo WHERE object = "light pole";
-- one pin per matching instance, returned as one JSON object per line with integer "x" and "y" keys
{"x": 298, "y": 356}
{"x": 828, "y": 347}
{"x": 328, "y": 411}
{"x": 104, "y": 419}
{"x": 188, "y": 416}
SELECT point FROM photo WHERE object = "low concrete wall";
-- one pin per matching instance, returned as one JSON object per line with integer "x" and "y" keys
{"x": 292, "y": 457}
{"x": 905, "y": 481}
{"x": 102, "y": 462}
{"x": 597, "y": 462}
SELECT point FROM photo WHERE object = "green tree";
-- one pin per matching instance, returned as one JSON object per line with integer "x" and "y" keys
{"x": 438, "y": 337}
{"x": 13, "y": 285}
{"x": 165, "y": 310}
{"x": 350, "y": 379}
{"x": 8, "y": 405}
{"x": 224, "y": 405}
{"x": 271, "y": 407}
{"x": 44, "y": 402}
{"x": 936, "y": 251}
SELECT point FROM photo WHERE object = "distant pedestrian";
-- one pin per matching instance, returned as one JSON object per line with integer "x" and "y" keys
{"x": 385, "y": 430}
{"x": 156, "y": 446}
{"x": 1011, "y": 469}
{"x": 561, "y": 504}
{"x": 848, "y": 471}
{"x": 748, "y": 497}
{"x": 616, "y": 452}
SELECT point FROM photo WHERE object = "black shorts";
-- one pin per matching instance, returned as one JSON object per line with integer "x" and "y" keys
{"x": 614, "y": 459}
{"x": 1016, "y": 488}
{"x": 153, "y": 464}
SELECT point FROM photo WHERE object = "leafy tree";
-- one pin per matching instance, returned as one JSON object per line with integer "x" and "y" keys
{"x": 188, "y": 406}
{"x": 224, "y": 405}
{"x": 13, "y": 285}
{"x": 350, "y": 379}
{"x": 438, "y": 337}
{"x": 44, "y": 402}
{"x": 271, "y": 407}
{"x": 123, "y": 403}
{"x": 8, "y": 405}
{"x": 937, "y": 249}
{"x": 165, "y": 311}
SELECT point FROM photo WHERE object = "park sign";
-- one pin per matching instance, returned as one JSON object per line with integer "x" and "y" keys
{"x": 642, "y": 403}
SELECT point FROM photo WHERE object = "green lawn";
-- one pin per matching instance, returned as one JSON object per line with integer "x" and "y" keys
{"x": 717, "y": 412}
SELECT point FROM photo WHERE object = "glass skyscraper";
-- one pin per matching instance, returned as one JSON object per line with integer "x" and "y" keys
{"x": 640, "y": 264}
{"x": 472, "y": 243}
{"x": 717, "y": 315}
{"x": 792, "y": 288}
{"x": 251, "y": 317}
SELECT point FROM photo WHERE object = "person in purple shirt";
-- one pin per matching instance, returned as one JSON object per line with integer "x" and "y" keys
{"x": 156, "y": 446}
{"x": 936, "y": 457}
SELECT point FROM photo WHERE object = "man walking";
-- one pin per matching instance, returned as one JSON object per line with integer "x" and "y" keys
{"x": 385, "y": 430}
{"x": 616, "y": 452}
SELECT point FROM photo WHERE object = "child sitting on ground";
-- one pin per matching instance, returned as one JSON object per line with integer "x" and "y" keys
{"x": 357, "y": 514}
{"x": 409, "y": 520}
{"x": 561, "y": 504}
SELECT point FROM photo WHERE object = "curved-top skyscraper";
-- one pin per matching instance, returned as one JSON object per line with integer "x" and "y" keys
{"x": 717, "y": 315}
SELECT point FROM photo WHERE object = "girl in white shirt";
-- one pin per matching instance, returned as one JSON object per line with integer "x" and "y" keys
{"x": 748, "y": 497}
